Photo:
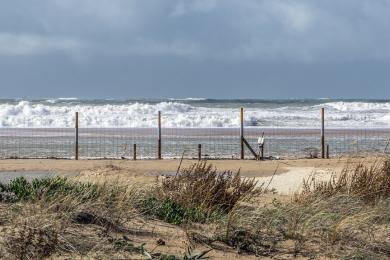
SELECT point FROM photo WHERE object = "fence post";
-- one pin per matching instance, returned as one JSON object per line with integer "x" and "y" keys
{"x": 242, "y": 132}
{"x": 159, "y": 135}
{"x": 327, "y": 151}
{"x": 322, "y": 133}
{"x": 77, "y": 136}
{"x": 199, "y": 152}
{"x": 135, "y": 152}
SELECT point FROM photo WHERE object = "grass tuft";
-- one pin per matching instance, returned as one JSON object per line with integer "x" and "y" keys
{"x": 346, "y": 217}
{"x": 370, "y": 183}
{"x": 28, "y": 242}
{"x": 48, "y": 188}
{"x": 198, "y": 193}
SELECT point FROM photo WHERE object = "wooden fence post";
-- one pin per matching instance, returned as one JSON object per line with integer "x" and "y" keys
{"x": 159, "y": 135}
{"x": 77, "y": 136}
{"x": 327, "y": 151}
{"x": 322, "y": 133}
{"x": 135, "y": 152}
{"x": 199, "y": 152}
{"x": 242, "y": 133}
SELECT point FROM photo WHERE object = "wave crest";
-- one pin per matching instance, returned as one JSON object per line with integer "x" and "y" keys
{"x": 185, "y": 114}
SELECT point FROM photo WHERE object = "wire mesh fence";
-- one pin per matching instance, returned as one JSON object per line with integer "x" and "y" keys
{"x": 216, "y": 142}
{"x": 286, "y": 143}
{"x": 31, "y": 143}
{"x": 213, "y": 142}
{"x": 117, "y": 143}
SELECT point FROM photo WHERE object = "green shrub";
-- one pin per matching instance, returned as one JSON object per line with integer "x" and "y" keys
{"x": 50, "y": 188}
{"x": 20, "y": 187}
{"x": 174, "y": 213}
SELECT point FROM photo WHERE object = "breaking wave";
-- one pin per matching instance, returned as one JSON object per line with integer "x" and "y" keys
{"x": 189, "y": 113}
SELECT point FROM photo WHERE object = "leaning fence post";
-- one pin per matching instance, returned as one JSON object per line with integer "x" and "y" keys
{"x": 77, "y": 136}
{"x": 242, "y": 132}
{"x": 322, "y": 133}
{"x": 159, "y": 135}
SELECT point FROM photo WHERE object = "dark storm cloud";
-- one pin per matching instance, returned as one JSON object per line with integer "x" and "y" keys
{"x": 176, "y": 40}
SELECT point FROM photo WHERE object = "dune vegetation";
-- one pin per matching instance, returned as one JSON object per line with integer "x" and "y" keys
{"x": 198, "y": 213}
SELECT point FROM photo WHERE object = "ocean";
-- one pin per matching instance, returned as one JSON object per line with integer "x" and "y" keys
{"x": 194, "y": 112}
{"x": 110, "y": 128}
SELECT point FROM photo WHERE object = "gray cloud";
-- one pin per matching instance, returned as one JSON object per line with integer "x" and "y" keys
{"x": 197, "y": 32}
{"x": 199, "y": 6}
{"x": 30, "y": 44}
{"x": 303, "y": 30}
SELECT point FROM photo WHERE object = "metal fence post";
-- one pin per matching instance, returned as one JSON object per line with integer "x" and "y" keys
{"x": 159, "y": 135}
{"x": 322, "y": 133}
{"x": 77, "y": 136}
{"x": 242, "y": 133}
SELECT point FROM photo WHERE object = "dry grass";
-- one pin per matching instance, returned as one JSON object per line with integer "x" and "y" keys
{"x": 45, "y": 222}
{"x": 346, "y": 218}
{"x": 198, "y": 193}
{"x": 57, "y": 217}
{"x": 336, "y": 227}
{"x": 201, "y": 185}
{"x": 368, "y": 183}
{"x": 28, "y": 242}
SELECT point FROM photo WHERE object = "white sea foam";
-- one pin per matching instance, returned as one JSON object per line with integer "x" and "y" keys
{"x": 51, "y": 113}
{"x": 188, "y": 99}
{"x": 358, "y": 106}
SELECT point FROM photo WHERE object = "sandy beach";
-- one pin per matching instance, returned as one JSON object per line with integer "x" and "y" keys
{"x": 248, "y": 168}
{"x": 198, "y": 129}
{"x": 285, "y": 176}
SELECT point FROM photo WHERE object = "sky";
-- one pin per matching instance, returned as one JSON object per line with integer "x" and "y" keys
{"x": 195, "y": 48}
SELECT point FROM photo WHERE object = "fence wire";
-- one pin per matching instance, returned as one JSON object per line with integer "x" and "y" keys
{"x": 117, "y": 143}
{"x": 216, "y": 142}
{"x": 34, "y": 143}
